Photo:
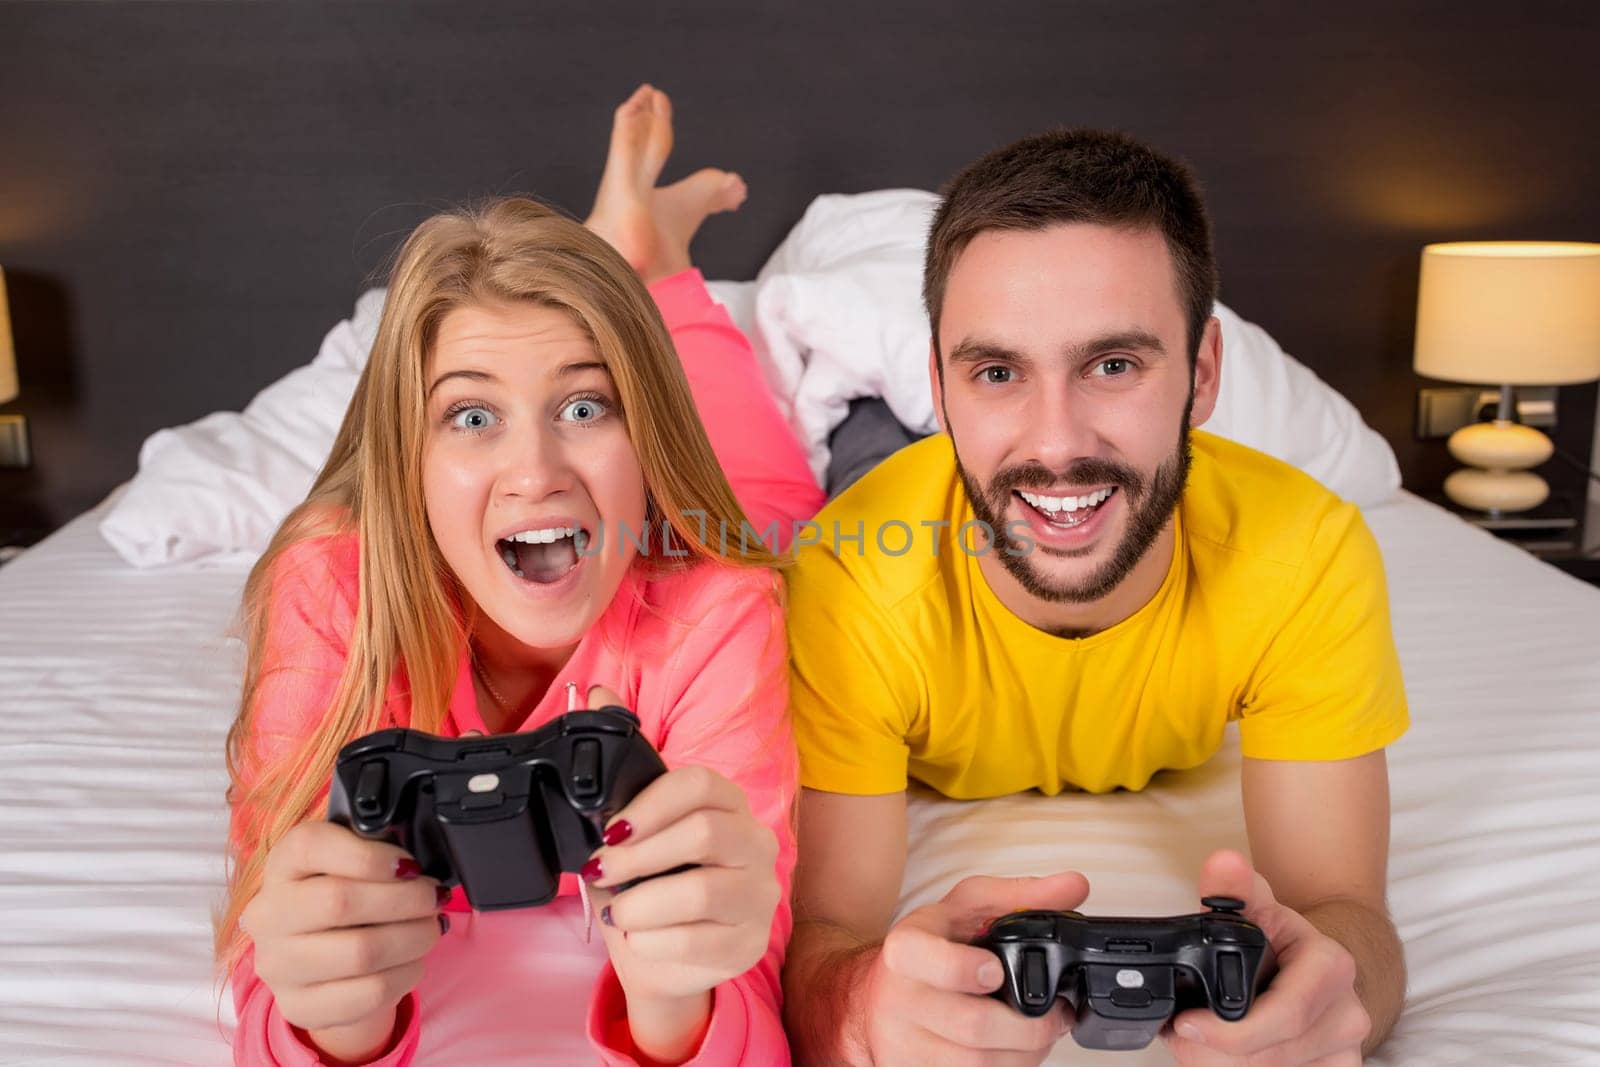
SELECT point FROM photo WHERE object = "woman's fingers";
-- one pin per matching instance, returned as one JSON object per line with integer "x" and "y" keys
{"x": 671, "y": 797}
{"x": 705, "y": 894}
{"x": 337, "y": 1003}
{"x": 704, "y": 836}
{"x": 340, "y": 925}
{"x": 314, "y": 848}
{"x": 326, "y": 902}
{"x": 728, "y": 949}
{"x": 332, "y": 955}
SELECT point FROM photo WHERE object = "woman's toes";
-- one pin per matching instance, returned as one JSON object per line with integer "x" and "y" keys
{"x": 730, "y": 194}
{"x": 631, "y": 130}
{"x": 705, "y": 192}
{"x": 659, "y": 144}
{"x": 638, "y": 100}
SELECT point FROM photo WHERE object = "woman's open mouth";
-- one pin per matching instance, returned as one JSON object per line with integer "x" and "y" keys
{"x": 543, "y": 556}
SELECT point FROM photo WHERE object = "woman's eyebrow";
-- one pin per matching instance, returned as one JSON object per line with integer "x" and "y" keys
{"x": 471, "y": 375}
{"x": 568, "y": 369}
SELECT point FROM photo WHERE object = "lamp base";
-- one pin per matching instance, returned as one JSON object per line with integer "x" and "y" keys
{"x": 1500, "y": 445}
{"x": 1505, "y": 448}
{"x": 1497, "y": 492}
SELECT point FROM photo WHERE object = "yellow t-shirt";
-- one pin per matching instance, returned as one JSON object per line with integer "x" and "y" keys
{"x": 904, "y": 663}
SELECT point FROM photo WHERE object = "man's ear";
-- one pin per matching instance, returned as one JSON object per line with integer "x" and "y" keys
{"x": 936, "y": 382}
{"x": 1207, "y": 373}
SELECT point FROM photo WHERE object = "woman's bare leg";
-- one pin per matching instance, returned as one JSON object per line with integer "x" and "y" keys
{"x": 652, "y": 226}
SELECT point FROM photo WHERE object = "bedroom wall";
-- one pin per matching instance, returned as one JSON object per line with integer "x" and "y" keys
{"x": 192, "y": 193}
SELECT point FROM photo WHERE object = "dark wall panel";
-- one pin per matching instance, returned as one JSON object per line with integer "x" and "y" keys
{"x": 191, "y": 193}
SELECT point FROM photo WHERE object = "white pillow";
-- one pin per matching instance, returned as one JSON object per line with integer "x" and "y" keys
{"x": 839, "y": 311}
{"x": 216, "y": 490}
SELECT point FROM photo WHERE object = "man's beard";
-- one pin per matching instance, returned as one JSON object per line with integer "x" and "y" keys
{"x": 1150, "y": 506}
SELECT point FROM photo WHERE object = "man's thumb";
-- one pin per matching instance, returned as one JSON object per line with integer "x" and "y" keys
{"x": 977, "y": 901}
{"x": 1227, "y": 873}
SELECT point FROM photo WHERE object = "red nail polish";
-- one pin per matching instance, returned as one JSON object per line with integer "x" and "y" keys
{"x": 405, "y": 869}
{"x": 591, "y": 870}
{"x": 617, "y": 832}
{"x": 440, "y": 895}
{"x": 444, "y": 924}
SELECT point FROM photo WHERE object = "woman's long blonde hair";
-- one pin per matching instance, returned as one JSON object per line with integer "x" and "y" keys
{"x": 406, "y": 615}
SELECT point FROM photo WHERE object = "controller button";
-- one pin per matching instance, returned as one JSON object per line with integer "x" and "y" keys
{"x": 1023, "y": 926}
{"x": 482, "y": 801}
{"x": 1227, "y": 933}
{"x": 370, "y": 788}
{"x": 586, "y": 769}
{"x": 1131, "y": 998}
{"x": 1225, "y": 904}
{"x": 483, "y": 783}
{"x": 1230, "y": 975}
{"x": 1128, "y": 978}
{"x": 1035, "y": 978}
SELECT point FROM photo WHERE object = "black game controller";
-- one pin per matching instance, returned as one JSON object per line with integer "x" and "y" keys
{"x": 1126, "y": 977}
{"x": 503, "y": 815}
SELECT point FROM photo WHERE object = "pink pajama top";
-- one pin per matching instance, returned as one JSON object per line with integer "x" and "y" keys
{"x": 699, "y": 655}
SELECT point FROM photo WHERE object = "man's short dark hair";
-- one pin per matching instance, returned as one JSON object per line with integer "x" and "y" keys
{"x": 1077, "y": 176}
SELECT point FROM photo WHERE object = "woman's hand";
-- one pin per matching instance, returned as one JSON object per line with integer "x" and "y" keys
{"x": 674, "y": 939}
{"x": 340, "y": 926}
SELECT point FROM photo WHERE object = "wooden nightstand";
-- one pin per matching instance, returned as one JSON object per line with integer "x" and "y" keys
{"x": 16, "y": 540}
{"x": 1553, "y": 531}
{"x": 1586, "y": 567}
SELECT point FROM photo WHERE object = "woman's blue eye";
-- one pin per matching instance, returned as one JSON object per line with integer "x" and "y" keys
{"x": 583, "y": 410}
{"x": 473, "y": 418}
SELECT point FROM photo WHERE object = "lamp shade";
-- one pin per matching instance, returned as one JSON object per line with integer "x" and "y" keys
{"x": 8, "y": 355}
{"x": 1509, "y": 312}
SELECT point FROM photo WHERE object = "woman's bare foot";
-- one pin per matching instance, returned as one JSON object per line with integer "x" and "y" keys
{"x": 652, "y": 227}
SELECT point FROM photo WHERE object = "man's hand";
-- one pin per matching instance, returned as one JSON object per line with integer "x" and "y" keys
{"x": 927, "y": 991}
{"x": 1309, "y": 1015}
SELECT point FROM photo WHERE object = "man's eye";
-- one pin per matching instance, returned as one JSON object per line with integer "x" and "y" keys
{"x": 1111, "y": 368}
{"x": 584, "y": 410}
{"x": 997, "y": 375}
{"x": 472, "y": 418}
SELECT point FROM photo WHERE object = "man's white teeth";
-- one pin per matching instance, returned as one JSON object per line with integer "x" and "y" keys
{"x": 1066, "y": 503}
{"x": 543, "y": 537}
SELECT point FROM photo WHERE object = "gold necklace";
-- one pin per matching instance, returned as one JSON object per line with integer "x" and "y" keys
{"x": 483, "y": 676}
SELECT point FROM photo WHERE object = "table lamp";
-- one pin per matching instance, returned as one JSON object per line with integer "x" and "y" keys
{"x": 1507, "y": 313}
{"x": 8, "y": 355}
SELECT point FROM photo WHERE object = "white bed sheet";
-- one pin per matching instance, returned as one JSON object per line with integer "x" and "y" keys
{"x": 117, "y": 687}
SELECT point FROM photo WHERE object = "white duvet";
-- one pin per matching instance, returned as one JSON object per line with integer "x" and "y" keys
{"x": 117, "y": 685}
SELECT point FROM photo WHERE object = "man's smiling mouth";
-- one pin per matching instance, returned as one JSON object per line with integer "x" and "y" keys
{"x": 1067, "y": 511}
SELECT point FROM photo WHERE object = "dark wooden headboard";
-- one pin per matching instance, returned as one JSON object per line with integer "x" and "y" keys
{"x": 191, "y": 193}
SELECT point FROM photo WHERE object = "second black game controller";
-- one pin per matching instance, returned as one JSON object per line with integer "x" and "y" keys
{"x": 1125, "y": 977}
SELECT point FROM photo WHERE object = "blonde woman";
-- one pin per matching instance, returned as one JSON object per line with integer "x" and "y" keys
{"x": 524, "y": 383}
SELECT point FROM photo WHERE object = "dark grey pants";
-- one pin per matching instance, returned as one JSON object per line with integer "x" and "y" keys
{"x": 868, "y": 435}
